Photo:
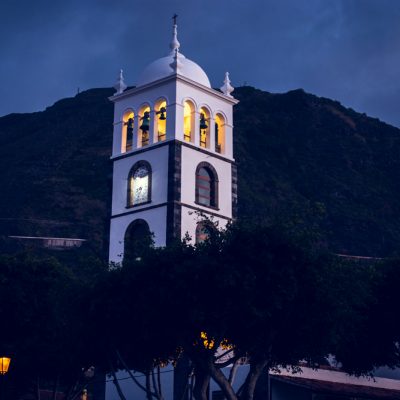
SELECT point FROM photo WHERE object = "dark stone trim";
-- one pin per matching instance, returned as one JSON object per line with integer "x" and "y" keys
{"x": 142, "y": 150}
{"x": 174, "y": 209}
{"x": 214, "y": 185}
{"x": 139, "y": 204}
{"x": 203, "y": 205}
{"x": 168, "y": 143}
{"x": 206, "y": 211}
{"x": 137, "y": 210}
{"x": 234, "y": 191}
{"x": 201, "y": 150}
{"x": 137, "y": 165}
{"x": 176, "y": 203}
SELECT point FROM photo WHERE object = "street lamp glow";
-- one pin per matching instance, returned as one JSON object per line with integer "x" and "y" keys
{"x": 4, "y": 365}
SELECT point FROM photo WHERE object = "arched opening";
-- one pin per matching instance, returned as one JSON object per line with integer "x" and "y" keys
{"x": 137, "y": 240}
{"x": 127, "y": 130}
{"x": 144, "y": 127}
{"x": 161, "y": 120}
{"x": 219, "y": 134}
{"x": 206, "y": 185}
{"x": 204, "y": 128}
{"x": 188, "y": 121}
{"x": 139, "y": 184}
{"x": 204, "y": 231}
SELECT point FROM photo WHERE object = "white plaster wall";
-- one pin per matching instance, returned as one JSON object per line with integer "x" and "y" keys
{"x": 158, "y": 159}
{"x": 134, "y": 99}
{"x": 341, "y": 377}
{"x": 216, "y": 104}
{"x": 155, "y": 217}
{"x": 190, "y": 219}
{"x": 175, "y": 92}
{"x": 190, "y": 160}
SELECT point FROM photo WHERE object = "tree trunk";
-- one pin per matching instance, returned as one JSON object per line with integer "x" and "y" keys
{"x": 148, "y": 386}
{"x": 55, "y": 388}
{"x": 222, "y": 381}
{"x": 130, "y": 372}
{"x": 156, "y": 386}
{"x": 232, "y": 373}
{"x": 159, "y": 382}
{"x": 37, "y": 389}
{"x": 202, "y": 380}
{"x": 247, "y": 393}
{"x": 116, "y": 383}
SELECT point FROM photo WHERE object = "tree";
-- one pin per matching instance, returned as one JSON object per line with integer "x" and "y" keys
{"x": 373, "y": 339}
{"x": 43, "y": 311}
{"x": 252, "y": 292}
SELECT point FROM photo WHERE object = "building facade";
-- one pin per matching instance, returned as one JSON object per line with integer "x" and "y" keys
{"x": 173, "y": 168}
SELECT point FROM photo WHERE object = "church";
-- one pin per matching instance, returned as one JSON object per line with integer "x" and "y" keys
{"x": 174, "y": 178}
{"x": 174, "y": 174}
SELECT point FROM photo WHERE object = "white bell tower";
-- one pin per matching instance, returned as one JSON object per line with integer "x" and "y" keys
{"x": 172, "y": 154}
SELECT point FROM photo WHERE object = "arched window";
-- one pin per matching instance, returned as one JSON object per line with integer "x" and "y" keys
{"x": 137, "y": 240}
{"x": 206, "y": 185}
{"x": 188, "y": 121}
{"x": 204, "y": 128}
{"x": 139, "y": 184}
{"x": 127, "y": 130}
{"x": 161, "y": 113}
{"x": 144, "y": 135}
{"x": 219, "y": 134}
{"x": 204, "y": 230}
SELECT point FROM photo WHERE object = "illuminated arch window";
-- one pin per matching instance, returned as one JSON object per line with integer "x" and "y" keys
{"x": 219, "y": 133}
{"x": 144, "y": 127}
{"x": 139, "y": 184}
{"x": 161, "y": 119}
{"x": 127, "y": 130}
{"x": 204, "y": 231}
{"x": 137, "y": 240}
{"x": 188, "y": 121}
{"x": 204, "y": 128}
{"x": 206, "y": 185}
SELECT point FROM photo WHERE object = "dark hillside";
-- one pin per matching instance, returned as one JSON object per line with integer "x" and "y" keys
{"x": 297, "y": 154}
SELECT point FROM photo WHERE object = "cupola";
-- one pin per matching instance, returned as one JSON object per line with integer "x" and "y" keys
{"x": 166, "y": 66}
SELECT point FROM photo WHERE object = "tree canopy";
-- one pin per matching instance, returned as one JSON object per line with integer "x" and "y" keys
{"x": 257, "y": 294}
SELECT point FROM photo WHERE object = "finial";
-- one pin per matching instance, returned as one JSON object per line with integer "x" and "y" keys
{"x": 227, "y": 88}
{"x": 176, "y": 65}
{"x": 174, "y": 45}
{"x": 120, "y": 85}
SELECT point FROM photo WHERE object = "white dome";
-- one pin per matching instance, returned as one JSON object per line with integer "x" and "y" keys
{"x": 162, "y": 68}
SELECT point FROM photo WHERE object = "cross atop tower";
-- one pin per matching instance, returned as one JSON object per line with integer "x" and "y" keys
{"x": 173, "y": 168}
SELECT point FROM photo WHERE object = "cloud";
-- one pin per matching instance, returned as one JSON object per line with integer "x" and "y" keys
{"x": 347, "y": 49}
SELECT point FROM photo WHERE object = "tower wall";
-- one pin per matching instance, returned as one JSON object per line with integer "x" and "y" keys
{"x": 172, "y": 211}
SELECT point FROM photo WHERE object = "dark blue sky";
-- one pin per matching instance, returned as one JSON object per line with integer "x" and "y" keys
{"x": 348, "y": 50}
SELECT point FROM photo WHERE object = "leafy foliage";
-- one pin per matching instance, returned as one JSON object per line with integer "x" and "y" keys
{"x": 300, "y": 158}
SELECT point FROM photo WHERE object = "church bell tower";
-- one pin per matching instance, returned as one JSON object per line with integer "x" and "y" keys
{"x": 172, "y": 154}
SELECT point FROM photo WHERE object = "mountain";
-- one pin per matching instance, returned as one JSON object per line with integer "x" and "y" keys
{"x": 299, "y": 156}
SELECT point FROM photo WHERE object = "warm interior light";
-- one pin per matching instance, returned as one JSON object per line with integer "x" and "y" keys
{"x": 187, "y": 122}
{"x": 204, "y": 133}
{"x": 219, "y": 134}
{"x": 144, "y": 115}
{"x": 127, "y": 131}
{"x": 4, "y": 365}
{"x": 162, "y": 124}
{"x": 207, "y": 343}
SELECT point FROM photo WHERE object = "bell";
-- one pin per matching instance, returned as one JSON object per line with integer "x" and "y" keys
{"x": 203, "y": 122}
{"x": 162, "y": 111}
{"x": 129, "y": 124}
{"x": 146, "y": 122}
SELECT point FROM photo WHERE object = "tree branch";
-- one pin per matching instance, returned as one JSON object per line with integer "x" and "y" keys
{"x": 130, "y": 373}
